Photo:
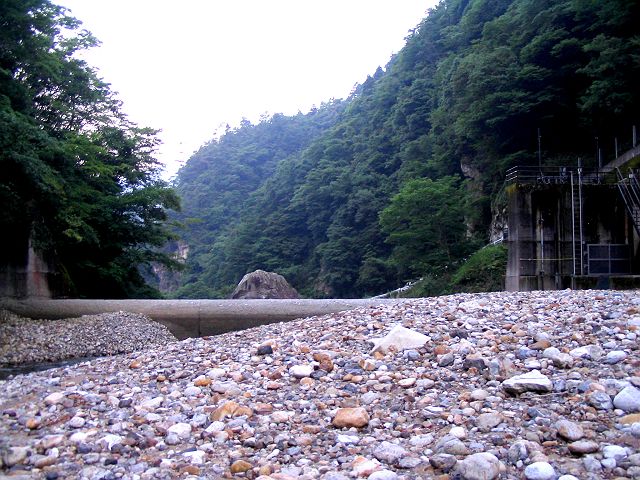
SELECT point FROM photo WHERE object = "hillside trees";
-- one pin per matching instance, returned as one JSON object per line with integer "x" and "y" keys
{"x": 219, "y": 187}
{"x": 424, "y": 241}
{"x": 401, "y": 184}
{"x": 79, "y": 180}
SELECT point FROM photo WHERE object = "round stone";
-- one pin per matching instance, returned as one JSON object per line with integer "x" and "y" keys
{"x": 479, "y": 394}
{"x": 600, "y": 400}
{"x": 192, "y": 391}
{"x": 458, "y": 432}
{"x": 628, "y": 399}
{"x": 569, "y": 430}
{"x": 383, "y": 475}
{"x": 389, "y": 453}
{"x": 479, "y": 466}
{"x": 443, "y": 461}
{"x": 54, "y": 398}
{"x": 487, "y": 421}
{"x": 614, "y": 451}
{"x": 351, "y": 417}
{"x": 240, "y": 466}
{"x": 77, "y": 422}
{"x": 183, "y": 430}
{"x": 539, "y": 471}
{"x": 615, "y": 356}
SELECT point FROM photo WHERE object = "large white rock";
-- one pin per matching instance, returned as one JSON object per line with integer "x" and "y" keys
{"x": 400, "y": 338}
{"x": 539, "y": 471}
{"x": 589, "y": 352}
{"x": 54, "y": 398}
{"x": 301, "y": 371}
{"x": 532, "y": 381}
{"x": 183, "y": 430}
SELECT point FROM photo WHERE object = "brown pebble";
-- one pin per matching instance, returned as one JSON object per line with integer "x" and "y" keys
{"x": 240, "y": 466}
{"x": 351, "y": 417}
{"x": 631, "y": 418}
{"x": 540, "y": 345}
{"x": 32, "y": 423}
{"x": 190, "y": 470}
{"x": 202, "y": 382}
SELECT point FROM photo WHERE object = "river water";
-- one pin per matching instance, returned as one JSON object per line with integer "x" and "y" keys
{"x": 6, "y": 372}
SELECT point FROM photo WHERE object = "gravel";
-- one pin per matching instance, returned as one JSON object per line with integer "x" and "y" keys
{"x": 228, "y": 407}
{"x": 25, "y": 341}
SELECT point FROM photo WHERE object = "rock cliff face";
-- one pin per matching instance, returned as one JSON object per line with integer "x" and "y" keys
{"x": 261, "y": 284}
{"x": 164, "y": 279}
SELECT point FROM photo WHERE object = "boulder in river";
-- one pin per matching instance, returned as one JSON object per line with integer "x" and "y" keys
{"x": 261, "y": 284}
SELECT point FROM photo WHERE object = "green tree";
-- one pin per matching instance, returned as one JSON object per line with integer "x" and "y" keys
{"x": 425, "y": 223}
{"x": 78, "y": 179}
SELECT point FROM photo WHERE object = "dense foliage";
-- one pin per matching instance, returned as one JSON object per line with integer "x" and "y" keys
{"x": 483, "y": 271}
{"x": 77, "y": 178}
{"x": 402, "y": 181}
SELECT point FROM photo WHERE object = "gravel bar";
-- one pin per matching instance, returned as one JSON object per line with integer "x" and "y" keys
{"x": 532, "y": 385}
{"x": 26, "y": 341}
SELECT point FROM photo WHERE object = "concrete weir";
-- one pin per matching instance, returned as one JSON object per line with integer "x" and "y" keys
{"x": 192, "y": 318}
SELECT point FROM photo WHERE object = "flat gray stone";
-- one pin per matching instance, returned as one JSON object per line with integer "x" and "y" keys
{"x": 389, "y": 453}
{"x": 533, "y": 381}
{"x": 600, "y": 400}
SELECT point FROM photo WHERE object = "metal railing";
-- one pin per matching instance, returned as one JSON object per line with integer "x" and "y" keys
{"x": 545, "y": 176}
{"x": 630, "y": 191}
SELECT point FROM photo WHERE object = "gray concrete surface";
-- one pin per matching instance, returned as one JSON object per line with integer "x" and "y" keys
{"x": 192, "y": 318}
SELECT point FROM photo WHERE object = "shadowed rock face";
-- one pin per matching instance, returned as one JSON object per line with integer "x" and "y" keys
{"x": 261, "y": 284}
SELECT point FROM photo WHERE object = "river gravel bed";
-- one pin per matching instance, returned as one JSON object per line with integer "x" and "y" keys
{"x": 535, "y": 386}
{"x": 28, "y": 341}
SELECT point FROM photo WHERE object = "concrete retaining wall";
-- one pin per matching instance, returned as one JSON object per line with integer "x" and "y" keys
{"x": 192, "y": 318}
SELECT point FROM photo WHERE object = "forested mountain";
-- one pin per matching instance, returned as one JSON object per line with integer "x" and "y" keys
{"x": 400, "y": 179}
{"x": 78, "y": 181}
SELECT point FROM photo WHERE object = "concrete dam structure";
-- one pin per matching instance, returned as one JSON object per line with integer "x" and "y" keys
{"x": 192, "y": 318}
{"x": 573, "y": 227}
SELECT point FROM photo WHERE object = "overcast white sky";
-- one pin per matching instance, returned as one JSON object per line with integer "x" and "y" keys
{"x": 190, "y": 67}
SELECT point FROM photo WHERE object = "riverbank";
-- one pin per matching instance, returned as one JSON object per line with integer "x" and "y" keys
{"x": 193, "y": 318}
{"x": 29, "y": 341}
{"x": 505, "y": 385}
